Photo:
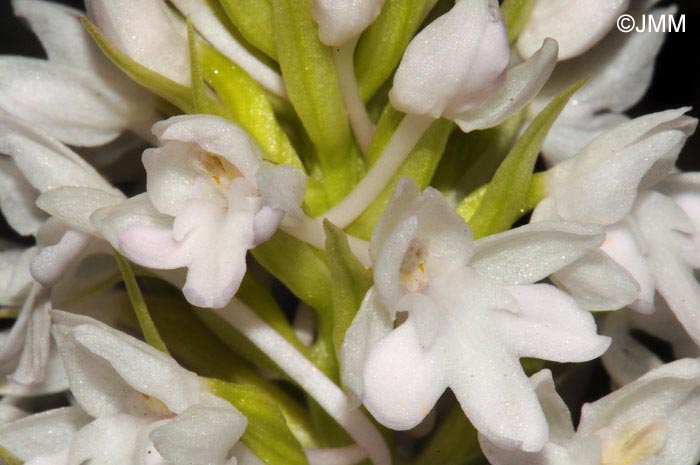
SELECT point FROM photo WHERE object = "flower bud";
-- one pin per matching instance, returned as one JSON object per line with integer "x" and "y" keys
{"x": 455, "y": 64}
{"x": 339, "y": 21}
{"x": 144, "y": 31}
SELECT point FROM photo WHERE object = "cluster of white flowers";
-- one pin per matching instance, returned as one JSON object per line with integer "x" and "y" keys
{"x": 321, "y": 151}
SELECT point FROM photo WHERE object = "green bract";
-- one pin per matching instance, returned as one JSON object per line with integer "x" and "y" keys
{"x": 351, "y": 280}
{"x": 506, "y": 197}
{"x": 267, "y": 434}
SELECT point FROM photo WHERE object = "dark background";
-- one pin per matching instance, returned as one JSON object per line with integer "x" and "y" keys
{"x": 676, "y": 82}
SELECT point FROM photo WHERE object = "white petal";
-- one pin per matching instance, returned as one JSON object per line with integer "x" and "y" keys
{"x": 9, "y": 412}
{"x": 215, "y": 272}
{"x": 404, "y": 196}
{"x": 140, "y": 232}
{"x": 550, "y": 326}
{"x": 530, "y": 253}
{"x": 15, "y": 279}
{"x": 200, "y": 434}
{"x": 68, "y": 43}
{"x": 53, "y": 260}
{"x": 622, "y": 246}
{"x": 37, "y": 343}
{"x": 626, "y": 359}
{"x": 340, "y": 21}
{"x": 59, "y": 30}
{"x": 600, "y": 184}
{"x": 54, "y": 380}
{"x": 576, "y": 24}
{"x": 59, "y": 458}
{"x": 402, "y": 380}
{"x": 684, "y": 189}
{"x": 561, "y": 431}
{"x": 597, "y": 282}
{"x": 17, "y": 200}
{"x": 46, "y": 163}
{"x": 105, "y": 367}
{"x": 143, "y": 30}
{"x": 13, "y": 343}
{"x": 108, "y": 440}
{"x": 495, "y": 394}
{"x": 387, "y": 266}
{"x": 283, "y": 188}
{"x": 522, "y": 84}
{"x": 66, "y": 102}
{"x": 621, "y": 69}
{"x": 568, "y": 136}
{"x": 371, "y": 323}
{"x": 75, "y": 205}
{"x": 449, "y": 69}
{"x": 662, "y": 222}
{"x": 42, "y": 434}
{"x": 171, "y": 176}
{"x": 214, "y": 135}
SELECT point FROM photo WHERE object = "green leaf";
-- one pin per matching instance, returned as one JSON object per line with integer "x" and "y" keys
{"x": 454, "y": 443}
{"x": 312, "y": 85}
{"x": 173, "y": 92}
{"x": 267, "y": 434}
{"x": 249, "y": 105}
{"x": 471, "y": 159}
{"x": 382, "y": 45}
{"x": 300, "y": 267}
{"x": 8, "y": 458}
{"x": 351, "y": 280}
{"x": 505, "y": 198}
{"x": 420, "y": 165}
{"x": 253, "y": 19}
{"x": 516, "y": 13}
{"x": 148, "y": 328}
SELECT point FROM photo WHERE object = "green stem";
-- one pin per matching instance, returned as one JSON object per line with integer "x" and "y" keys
{"x": 148, "y": 328}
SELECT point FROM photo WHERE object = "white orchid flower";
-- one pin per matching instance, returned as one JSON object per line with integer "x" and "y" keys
{"x": 619, "y": 67}
{"x": 472, "y": 312}
{"x": 146, "y": 408}
{"x": 628, "y": 358}
{"x": 39, "y": 165}
{"x": 76, "y": 95}
{"x": 152, "y": 36}
{"x": 210, "y": 199}
{"x": 650, "y": 421}
{"x": 613, "y": 182}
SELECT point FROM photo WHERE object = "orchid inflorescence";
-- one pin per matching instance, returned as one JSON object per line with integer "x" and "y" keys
{"x": 319, "y": 240}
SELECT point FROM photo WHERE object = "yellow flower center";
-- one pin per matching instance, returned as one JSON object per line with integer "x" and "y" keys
{"x": 638, "y": 440}
{"x": 221, "y": 171}
{"x": 412, "y": 272}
